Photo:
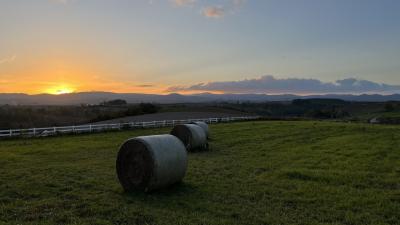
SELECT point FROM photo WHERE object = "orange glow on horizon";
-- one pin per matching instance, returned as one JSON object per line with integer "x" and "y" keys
{"x": 65, "y": 76}
{"x": 69, "y": 72}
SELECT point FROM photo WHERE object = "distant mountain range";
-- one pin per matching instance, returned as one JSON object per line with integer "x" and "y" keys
{"x": 98, "y": 97}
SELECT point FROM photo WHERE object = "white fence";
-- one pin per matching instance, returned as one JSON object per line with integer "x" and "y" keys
{"x": 51, "y": 131}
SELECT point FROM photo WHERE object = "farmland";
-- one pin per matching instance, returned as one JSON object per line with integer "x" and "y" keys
{"x": 275, "y": 172}
{"x": 30, "y": 116}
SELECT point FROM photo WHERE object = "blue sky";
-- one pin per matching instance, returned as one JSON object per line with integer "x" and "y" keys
{"x": 150, "y": 45}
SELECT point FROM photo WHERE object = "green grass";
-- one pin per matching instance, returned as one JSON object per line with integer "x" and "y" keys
{"x": 255, "y": 173}
{"x": 378, "y": 114}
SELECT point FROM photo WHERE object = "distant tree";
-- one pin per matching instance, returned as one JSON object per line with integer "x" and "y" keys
{"x": 319, "y": 114}
{"x": 148, "y": 108}
{"x": 301, "y": 102}
{"x": 133, "y": 111}
{"x": 116, "y": 102}
{"x": 389, "y": 107}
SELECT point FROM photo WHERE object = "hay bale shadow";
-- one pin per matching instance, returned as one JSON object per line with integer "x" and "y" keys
{"x": 178, "y": 189}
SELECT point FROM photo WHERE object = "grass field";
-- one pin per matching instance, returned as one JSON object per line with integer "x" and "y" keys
{"x": 255, "y": 173}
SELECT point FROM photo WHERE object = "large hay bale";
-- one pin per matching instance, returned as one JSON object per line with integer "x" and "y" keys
{"x": 151, "y": 162}
{"x": 204, "y": 126}
{"x": 192, "y": 136}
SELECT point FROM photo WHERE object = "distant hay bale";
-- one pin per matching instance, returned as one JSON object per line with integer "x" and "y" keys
{"x": 204, "y": 126}
{"x": 192, "y": 136}
{"x": 148, "y": 163}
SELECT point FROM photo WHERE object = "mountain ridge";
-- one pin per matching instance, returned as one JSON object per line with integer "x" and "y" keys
{"x": 97, "y": 97}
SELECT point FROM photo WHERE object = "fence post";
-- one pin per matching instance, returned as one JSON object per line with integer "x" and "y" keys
{"x": 34, "y": 132}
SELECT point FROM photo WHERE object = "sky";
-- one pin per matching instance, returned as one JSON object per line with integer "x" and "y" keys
{"x": 190, "y": 46}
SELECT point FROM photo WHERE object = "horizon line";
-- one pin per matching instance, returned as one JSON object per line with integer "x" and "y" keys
{"x": 199, "y": 93}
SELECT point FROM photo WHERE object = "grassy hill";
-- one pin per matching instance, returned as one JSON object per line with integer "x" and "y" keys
{"x": 255, "y": 173}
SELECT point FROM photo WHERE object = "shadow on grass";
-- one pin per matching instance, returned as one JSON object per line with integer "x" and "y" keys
{"x": 180, "y": 189}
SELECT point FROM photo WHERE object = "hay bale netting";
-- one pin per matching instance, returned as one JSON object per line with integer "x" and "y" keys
{"x": 151, "y": 162}
{"x": 204, "y": 126}
{"x": 192, "y": 136}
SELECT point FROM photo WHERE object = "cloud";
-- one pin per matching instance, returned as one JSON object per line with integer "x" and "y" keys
{"x": 145, "y": 85}
{"x": 271, "y": 85}
{"x": 219, "y": 11}
{"x": 183, "y": 2}
{"x": 9, "y": 59}
{"x": 213, "y": 11}
{"x": 210, "y": 9}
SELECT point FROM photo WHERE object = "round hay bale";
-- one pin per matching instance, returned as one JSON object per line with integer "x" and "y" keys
{"x": 204, "y": 126}
{"x": 191, "y": 135}
{"x": 148, "y": 163}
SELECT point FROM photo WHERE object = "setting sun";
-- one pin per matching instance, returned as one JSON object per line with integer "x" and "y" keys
{"x": 59, "y": 90}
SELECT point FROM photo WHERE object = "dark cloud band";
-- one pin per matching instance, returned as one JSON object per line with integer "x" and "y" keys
{"x": 270, "y": 85}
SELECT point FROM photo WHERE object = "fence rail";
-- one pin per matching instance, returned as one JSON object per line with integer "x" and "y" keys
{"x": 52, "y": 131}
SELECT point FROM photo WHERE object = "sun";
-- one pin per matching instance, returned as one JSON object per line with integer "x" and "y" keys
{"x": 60, "y": 89}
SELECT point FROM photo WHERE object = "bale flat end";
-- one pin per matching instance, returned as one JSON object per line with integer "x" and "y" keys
{"x": 135, "y": 165}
